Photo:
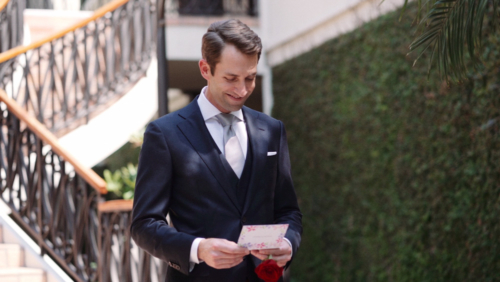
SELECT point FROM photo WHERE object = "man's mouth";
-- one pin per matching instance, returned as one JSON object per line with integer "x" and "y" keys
{"x": 234, "y": 97}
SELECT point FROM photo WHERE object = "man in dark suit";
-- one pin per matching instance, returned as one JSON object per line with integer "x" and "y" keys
{"x": 215, "y": 166}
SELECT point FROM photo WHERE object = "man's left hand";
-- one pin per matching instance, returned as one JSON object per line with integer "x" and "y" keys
{"x": 282, "y": 255}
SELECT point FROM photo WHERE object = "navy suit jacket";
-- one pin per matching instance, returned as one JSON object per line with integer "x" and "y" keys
{"x": 181, "y": 173}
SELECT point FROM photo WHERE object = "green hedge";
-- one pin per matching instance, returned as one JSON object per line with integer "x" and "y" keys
{"x": 398, "y": 175}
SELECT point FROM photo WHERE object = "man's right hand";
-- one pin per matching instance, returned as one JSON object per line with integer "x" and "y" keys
{"x": 221, "y": 253}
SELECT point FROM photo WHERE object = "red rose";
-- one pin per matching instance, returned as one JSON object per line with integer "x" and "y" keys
{"x": 269, "y": 271}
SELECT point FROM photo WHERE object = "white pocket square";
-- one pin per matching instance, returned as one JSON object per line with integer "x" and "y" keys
{"x": 271, "y": 153}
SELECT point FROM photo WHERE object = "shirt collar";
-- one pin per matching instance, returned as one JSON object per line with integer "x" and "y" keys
{"x": 208, "y": 110}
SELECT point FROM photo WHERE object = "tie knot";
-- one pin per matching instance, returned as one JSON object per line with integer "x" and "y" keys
{"x": 226, "y": 119}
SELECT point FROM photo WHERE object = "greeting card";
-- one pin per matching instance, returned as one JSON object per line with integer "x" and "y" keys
{"x": 259, "y": 237}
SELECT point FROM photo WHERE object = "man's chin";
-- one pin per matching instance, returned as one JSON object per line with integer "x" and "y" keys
{"x": 234, "y": 107}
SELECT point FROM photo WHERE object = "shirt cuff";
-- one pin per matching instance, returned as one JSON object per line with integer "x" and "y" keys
{"x": 289, "y": 243}
{"x": 193, "y": 257}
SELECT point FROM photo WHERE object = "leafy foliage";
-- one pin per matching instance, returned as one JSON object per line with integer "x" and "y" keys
{"x": 122, "y": 181}
{"x": 452, "y": 30}
{"x": 397, "y": 174}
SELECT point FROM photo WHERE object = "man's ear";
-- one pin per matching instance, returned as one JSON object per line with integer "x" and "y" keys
{"x": 204, "y": 69}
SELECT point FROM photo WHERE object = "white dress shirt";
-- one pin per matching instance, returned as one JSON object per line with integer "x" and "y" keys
{"x": 209, "y": 111}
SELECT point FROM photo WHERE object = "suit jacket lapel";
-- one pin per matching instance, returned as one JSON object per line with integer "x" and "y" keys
{"x": 258, "y": 139}
{"x": 196, "y": 132}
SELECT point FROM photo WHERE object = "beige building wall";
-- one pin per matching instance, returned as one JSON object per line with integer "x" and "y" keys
{"x": 292, "y": 27}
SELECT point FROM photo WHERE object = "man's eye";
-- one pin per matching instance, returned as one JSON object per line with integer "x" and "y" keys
{"x": 230, "y": 79}
{"x": 250, "y": 79}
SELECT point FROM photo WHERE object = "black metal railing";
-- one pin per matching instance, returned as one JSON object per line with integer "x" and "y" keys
{"x": 11, "y": 25}
{"x": 53, "y": 203}
{"x": 121, "y": 259}
{"x": 61, "y": 81}
{"x": 70, "y": 78}
{"x": 62, "y": 210}
{"x": 212, "y": 7}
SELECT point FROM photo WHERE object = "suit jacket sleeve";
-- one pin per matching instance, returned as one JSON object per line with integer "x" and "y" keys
{"x": 286, "y": 208}
{"x": 149, "y": 228}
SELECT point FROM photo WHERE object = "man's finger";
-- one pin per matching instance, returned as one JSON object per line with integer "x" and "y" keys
{"x": 261, "y": 257}
{"x": 232, "y": 248}
{"x": 223, "y": 264}
{"x": 228, "y": 261}
{"x": 226, "y": 256}
{"x": 281, "y": 264}
{"x": 275, "y": 252}
{"x": 281, "y": 260}
{"x": 258, "y": 255}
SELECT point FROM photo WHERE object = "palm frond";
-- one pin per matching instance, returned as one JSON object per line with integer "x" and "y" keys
{"x": 452, "y": 30}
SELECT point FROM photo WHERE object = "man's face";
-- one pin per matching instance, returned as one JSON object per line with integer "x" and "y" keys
{"x": 233, "y": 80}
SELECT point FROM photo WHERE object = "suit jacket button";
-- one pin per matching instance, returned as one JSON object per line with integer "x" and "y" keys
{"x": 244, "y": 220}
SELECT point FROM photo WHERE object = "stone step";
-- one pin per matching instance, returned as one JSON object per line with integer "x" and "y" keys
{"x": 21, "y": 274}
{"x": 11, "y": 255}
{"x": 11, "y": 262}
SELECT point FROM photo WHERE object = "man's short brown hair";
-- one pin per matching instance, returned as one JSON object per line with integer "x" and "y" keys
{"x": 229, "y": 32}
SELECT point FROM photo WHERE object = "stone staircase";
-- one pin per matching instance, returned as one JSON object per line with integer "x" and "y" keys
{"x": 13, "y": 262}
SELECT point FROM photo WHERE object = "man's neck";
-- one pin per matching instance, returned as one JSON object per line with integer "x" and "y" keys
{"x": 212, "y": 101}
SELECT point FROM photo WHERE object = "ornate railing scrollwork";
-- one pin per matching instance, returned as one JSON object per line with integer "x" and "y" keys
{"x": 121, "y": 258}
{"x": 52, "y": 197}
{"x": 68, "y": 78}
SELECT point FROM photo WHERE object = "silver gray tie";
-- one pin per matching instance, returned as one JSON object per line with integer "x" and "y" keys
{"x": 232, "y": 148}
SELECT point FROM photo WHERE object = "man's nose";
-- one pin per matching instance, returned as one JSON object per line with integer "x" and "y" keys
{"x": 241, "y": 89}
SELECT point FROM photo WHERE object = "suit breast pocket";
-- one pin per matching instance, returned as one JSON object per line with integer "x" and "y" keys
{"x": 272, "y": 156}
{"x": 271, "y": 168}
